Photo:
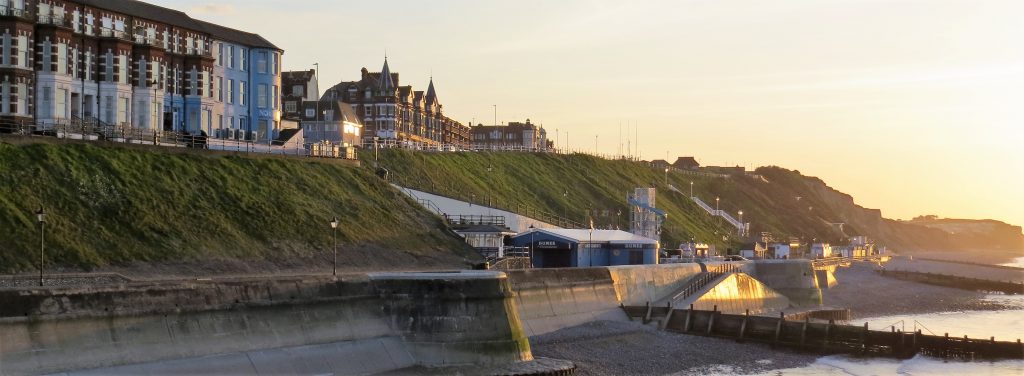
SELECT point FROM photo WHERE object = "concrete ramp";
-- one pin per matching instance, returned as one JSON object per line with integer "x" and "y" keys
{"x": 737, "y": 293}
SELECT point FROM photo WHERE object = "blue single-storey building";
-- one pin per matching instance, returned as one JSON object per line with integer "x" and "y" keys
{"x": 564, "y": 248}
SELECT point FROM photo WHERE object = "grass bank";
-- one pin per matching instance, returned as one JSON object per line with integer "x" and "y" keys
{"x": 113, "y": 206}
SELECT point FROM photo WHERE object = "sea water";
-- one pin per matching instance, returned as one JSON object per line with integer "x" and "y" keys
{"x": 1006, "y": 325}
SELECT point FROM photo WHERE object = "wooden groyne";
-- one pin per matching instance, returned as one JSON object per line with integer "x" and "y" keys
{"x": 967, "y": 283}
{"x": 832, "y": 338}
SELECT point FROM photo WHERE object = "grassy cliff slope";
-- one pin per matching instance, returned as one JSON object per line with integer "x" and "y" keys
{"x": 111, "y": 206}
{"x": 777, "y": 200}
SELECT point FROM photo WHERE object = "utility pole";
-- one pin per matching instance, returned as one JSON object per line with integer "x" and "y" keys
{"x": 495, "y": 114}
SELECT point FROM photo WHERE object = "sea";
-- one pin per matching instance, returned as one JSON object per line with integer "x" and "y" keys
{"x": 1006, "y": 325}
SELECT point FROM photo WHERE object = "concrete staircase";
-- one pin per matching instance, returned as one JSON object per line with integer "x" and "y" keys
{"x": 741, "y": 227}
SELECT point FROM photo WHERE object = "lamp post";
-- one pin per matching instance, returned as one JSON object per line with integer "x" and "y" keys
{"x": 334, "y": 227}
{"x": 490, "y": 192}
{"x": 691, "y": 190}
{"x": 718, "y": 211}
{"x": 742, "y": 226}
{"x": 666, "y": 176}
{"x": 533, "y": 233}
{"x": 41, "y": 218}
{"x": 565, "y": 215}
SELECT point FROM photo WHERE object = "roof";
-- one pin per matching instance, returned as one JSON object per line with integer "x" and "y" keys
{"x": 686, "y": 161}
{"x": 228, "y": 34}
{"x": 180, "y": 19}
{"x": 484, "y": 229}
{"x": 301, "y": 76}
{"x": 597, "y": 236}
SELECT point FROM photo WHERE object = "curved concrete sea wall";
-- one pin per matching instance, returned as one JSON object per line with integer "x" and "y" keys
{"x": 635, "y": 285}
{"x": 793, "y": 278}
{"x": 552, "y": 299}
{"x": 738, "y": 292}
{"x": 386, "y": 322}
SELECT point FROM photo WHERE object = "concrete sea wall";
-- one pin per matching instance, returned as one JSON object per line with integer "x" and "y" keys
{"x": 384, "y": 322}
{"x": 957, "y": 269}
{"x": 793, "y": 278}
{"x": 738, "y": 293}
{"x": 552, "y": 299}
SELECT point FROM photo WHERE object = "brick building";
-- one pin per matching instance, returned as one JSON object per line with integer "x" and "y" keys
{"x": 514, "y": 136}
{"x": 392, "y": 112}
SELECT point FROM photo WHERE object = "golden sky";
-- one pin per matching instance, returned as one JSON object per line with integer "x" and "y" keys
{"x": 914, "y": 107}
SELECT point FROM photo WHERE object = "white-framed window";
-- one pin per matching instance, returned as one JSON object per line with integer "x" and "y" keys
{"x": 274, "y": 102}
{"x": 231, "y": 91}
{"x": 231, "y": 57}
{"x": 261, "y": 63}
{"x": 261, "y": 96}
{"x": 242, "y": 60}
{"x": 219, "y": 88}
{"x": 310, "y": 113}
{"x": 298, "y": 91}
{"x": 241, "y": 93}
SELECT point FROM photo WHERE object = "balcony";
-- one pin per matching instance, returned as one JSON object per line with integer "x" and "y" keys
{"x": 148, "y": 41}
{"x": 6, "y": 11}
{"x": 111, "y": 33}
{"x": 54, "y": 20}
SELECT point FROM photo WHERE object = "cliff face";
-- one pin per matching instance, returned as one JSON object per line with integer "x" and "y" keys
{"x": 936, "y": 234}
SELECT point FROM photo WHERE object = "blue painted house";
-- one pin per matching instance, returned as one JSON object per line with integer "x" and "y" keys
{"x": 564, "y": 248}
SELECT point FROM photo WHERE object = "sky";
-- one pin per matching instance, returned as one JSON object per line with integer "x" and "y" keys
{"x": 911, "y": 106}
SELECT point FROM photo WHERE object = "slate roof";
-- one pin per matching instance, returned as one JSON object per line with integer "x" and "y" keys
{"x": 180, "y": 19}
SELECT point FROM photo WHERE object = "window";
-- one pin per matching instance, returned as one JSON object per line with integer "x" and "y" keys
{"x": 231, "y": 91}
{"x": 219, "y": 88}
{"x": 220, "y": 54}
{"x": 261, "y": 96}
{"x": 297, "y": 90}
{"x": 62, "y": 58}
{"x": 122, "y": 110}
{"x": 310, "y": 113}
{"x": 290, "y": 106}
{"x": 276, "y": 63}
{"x": 231, "y": 56}
{"x": 328, "y": 115}
{"x": 241, "y": 59}
{"x": 62, "y": 102}
{"x": 273, "y": 98}
{"x": 241, "y": 93}
{"x": 261, "y": 64}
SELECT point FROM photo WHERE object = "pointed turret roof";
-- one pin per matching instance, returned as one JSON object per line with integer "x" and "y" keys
{"x": 385, "y": 83}
{"x": 431, "y": 94}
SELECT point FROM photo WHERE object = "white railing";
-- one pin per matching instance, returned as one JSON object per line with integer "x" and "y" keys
{"x": 743, "y": 228}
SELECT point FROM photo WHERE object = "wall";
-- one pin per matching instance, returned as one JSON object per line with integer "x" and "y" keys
{"x": 552, "y": 299}
{"x": 793, "y": 278}
{"x": 428, "y": 319}
{"x": 739, "y": 292}
{"x": 513, "y": 221}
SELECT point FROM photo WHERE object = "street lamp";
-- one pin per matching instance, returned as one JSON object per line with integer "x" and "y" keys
{"x": 742, "y": 226}
{"x": 565, "y": 215}
{"x": 532, "y": 236}
{"x": 490, "y": 191}
{"x": 334, "y": 227}
{"x": 691, "y": 190}
{"x": 666, "y": 175}
{"x": 718, "y": 212}
{"x": 41, "y": 217}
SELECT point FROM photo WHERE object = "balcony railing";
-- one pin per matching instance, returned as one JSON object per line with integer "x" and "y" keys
{"x": 111, "y": 33}
{"x": 55, "y": 20}
{"x": 149, "y": 41}
{"x": 14, "y": 12}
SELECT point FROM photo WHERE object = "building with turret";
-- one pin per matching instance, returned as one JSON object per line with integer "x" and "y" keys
{"x": 393, "y": 113}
